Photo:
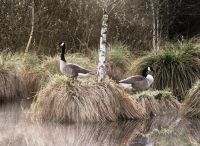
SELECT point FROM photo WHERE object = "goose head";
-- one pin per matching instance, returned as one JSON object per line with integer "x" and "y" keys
{"x": 150, "y": 69}
{"x": 147, "y": 71}
{"x": 61, "y": 45}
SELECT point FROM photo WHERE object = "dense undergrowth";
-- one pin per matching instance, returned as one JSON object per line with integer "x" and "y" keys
{"x": 57, "y": 98}
{"x": 176, "y": 67}
{"x": 35, "y": 70}
{"x": 63, "y": 100}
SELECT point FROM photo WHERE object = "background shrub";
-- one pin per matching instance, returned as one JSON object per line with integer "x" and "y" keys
{"x": 176, "y": 67}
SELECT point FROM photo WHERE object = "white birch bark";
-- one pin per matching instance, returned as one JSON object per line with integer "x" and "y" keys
{"x": 154, "y": 25}
{"x": 102, "y": 53}
{"x": 157, "y": 30}
{"x": 32, "y": 28}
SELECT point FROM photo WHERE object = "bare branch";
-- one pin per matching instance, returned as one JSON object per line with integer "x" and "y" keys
{"x": 32, "y": 28}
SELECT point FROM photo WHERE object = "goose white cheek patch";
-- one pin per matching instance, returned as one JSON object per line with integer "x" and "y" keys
{"x": 62, "y": 44}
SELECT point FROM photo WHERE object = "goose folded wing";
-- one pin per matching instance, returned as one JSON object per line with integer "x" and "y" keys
{"x": 133, "y": 79}
{"x": 78, "y": 68}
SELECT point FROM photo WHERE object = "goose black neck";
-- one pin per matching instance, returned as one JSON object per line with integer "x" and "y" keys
{"x": 144, "y": 73}
{"x": 62, "y": 57}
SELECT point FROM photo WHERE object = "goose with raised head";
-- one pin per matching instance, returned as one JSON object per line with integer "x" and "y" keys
{"x": 70, "y": 69}
{"x": 138, "y": 82}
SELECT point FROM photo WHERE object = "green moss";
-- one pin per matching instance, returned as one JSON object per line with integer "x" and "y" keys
{"x": 59, "y": 80}
{"x": 157, "y": 94}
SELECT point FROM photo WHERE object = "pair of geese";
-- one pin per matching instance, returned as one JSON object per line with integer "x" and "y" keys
{"x": 134, "y": 83}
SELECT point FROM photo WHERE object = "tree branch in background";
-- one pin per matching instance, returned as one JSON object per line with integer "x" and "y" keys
{"x": 32, "y": 28}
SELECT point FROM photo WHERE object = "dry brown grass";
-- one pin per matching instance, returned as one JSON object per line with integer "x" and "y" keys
{"x": 62, "y": 100}
{"x": 28, "y": 71}
{"x": 30, "y": 78}
{"x": 34, "y": 70}
{"x": 193, "y": 131}
{"x": 24, "y": 68}
{"x": 158, "y": 102}
{"x": 192, "y": 103}
{"x": 115, "y": 72}
{"x": 50, "y": 65}
{"x": 11, "y": 87}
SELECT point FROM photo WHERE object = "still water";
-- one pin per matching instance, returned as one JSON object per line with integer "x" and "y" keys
{"x": 16, "y": 129}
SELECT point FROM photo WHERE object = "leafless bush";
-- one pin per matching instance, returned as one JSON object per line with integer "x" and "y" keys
{"x": 76, "y": 22}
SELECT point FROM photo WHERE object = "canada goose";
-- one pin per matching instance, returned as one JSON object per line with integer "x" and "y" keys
{"x": 138, "y": 82}
{"x": 69, "y": 69}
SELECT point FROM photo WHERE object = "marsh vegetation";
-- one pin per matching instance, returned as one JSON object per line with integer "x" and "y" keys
{"x": 41, "y": 106}
{"x": 48, "y": 102}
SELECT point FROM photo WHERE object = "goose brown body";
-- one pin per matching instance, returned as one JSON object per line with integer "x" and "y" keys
{"x": 69, "y": 69}
{"x": 138, "y": 82}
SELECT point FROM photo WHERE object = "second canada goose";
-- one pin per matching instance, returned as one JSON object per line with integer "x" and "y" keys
{"x": 69, "y": 69}
{"x": 138, "y": 82}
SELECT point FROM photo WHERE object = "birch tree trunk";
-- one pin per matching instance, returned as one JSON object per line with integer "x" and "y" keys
{"x": 102, "y": 53}
{"x": 32, "y": 28}
{"x": 154, "y": 25}
{"x": 158, "y": 32}
{"x": 155, "y": 6}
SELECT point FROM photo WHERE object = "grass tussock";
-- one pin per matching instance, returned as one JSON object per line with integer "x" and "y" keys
{"x": 11, "y": 87}
{"x": 192, "y": 103}
{"x": 35, "y": 70}
{"x": 118, "y": 57}
{"x": 15, "y": 60}
{"x": 50, "y": 65}
{"x": 158, "y": 102}
{"x": 24, "y": 69}
{"x": 62, "y": 100}
{"x": 118, "y": 54}
{"x": 176, "y": 68}
{"x": 27, "y": 70}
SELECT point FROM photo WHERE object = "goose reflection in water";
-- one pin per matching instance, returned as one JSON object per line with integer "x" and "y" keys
{"x": 17, "y": 129}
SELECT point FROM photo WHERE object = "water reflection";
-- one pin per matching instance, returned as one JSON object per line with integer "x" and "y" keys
{"x": 18, "y": 130}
